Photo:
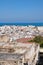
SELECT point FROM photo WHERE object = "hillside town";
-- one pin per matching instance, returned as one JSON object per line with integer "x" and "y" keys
{"x": 15, "y": 48}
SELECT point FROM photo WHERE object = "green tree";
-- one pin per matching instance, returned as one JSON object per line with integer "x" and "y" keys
{"x": 38, "y": 39}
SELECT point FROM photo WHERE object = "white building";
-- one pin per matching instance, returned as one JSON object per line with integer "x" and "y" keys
{"x": 22, "y": 53}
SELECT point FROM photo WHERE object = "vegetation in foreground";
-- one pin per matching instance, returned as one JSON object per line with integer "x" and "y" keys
{"x": 38, "y": 39}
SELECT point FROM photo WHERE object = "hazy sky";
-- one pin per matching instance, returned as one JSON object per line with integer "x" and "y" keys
{"x": 21, "y": 10}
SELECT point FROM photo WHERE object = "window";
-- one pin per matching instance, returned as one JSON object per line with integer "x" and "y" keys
{"x": 20, "y": 61}
{"x": 14, "y": 61}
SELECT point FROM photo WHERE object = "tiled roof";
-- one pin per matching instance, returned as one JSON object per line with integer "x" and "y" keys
{"x": 24, "y": 40}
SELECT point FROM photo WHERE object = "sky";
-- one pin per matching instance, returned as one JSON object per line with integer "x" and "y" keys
{"x": 21, "y": 10}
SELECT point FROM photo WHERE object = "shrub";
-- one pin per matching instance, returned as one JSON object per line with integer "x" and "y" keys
{"x": 38, "y": 39}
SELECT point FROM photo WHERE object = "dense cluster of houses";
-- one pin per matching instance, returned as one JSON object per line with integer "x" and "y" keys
{"x": 15, "y": 48}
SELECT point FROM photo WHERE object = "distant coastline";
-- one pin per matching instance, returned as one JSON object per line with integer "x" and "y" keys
{"x": 22, "y": 24}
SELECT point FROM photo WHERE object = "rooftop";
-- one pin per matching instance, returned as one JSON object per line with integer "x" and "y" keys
{"x": 24, "y": 40}
{"x": 8, "y": 56}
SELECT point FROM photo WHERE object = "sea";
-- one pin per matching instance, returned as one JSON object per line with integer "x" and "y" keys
{"x": 22, "y": 24}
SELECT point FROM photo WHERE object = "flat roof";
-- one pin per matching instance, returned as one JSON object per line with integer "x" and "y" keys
{"x": 9, "y": 56}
